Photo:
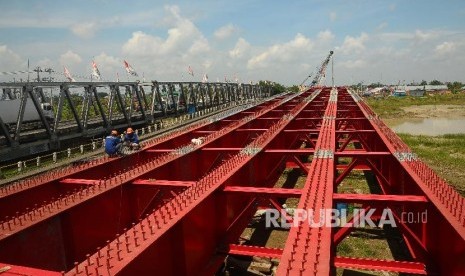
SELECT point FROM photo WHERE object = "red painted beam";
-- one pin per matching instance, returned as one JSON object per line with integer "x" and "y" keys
{"x": 259, "y": 191}
{"x": 79, "y": 181}
{"x": 355, "y": 131}
{"x": 16, "y": 270}
{"x": 160, "y": 150}
{"x": 305, "y": 130}
{"x": 358, "y": 153}
{"x": 293, "y": 165}
{"x": 222, "y": 149}
{"x": 160, "y": 182}
{"x": 380, "y": 265}
{"x": 352, "y": 119}
{"x": 308, "y": 249}
{"x": 291, "y": 151}
{"x": 204, "y": 131}
{"x": 258, "y": 251}
{"x": 359, "y": 167}
{"x": 251, "y": 129}
{"x": 375, "y": 198}
{"x": 269, "y": 118}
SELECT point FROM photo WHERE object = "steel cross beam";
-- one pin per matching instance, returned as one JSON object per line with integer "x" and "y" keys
{"x": 308, "y": 250}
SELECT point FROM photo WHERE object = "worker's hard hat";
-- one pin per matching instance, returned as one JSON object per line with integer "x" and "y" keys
{"x": 114, "y": 132}
{"x": 130, "y": 130}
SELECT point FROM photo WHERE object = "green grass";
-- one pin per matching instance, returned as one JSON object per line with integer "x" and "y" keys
{"x": 445, "y": 154}
{"x": 391, "y": 107}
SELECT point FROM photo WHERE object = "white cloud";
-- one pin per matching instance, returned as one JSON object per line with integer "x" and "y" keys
{"x": 199, "y": 46}
{"x": 225, "y": 31}
{"x": 392, "y": 7}
{"x": 325, "y": 36}
{"x": 182, "y": 37}
{"x": 9, "y": 59}
{"x": 282, "y": 53}
{"x": 70, "y": 58}
{"x": 445, "y": 48}
{"x": 332, "y": 16}
{"x": 354, "y": 44}
{"x": 354, "y": 64}
{"x": 84, "y": 29}
{"x": 167, "y": 57}
{"x": 422, "y": 36}
{"x": 382, "y": 26}
{"x": 46, "y": 63}
{"x": 241, "y": 48}
{"x": 107, "y": 61}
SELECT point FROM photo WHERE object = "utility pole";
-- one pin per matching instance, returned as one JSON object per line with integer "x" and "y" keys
{"x": 50, "y": 79}
{"x": 38, "y": 70}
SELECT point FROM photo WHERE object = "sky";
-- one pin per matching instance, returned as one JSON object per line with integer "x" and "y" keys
{"x": 388, "y": 41}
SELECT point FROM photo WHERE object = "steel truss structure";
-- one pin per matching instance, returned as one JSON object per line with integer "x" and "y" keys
{"x": 178, "y": 208}
{"x": 127, "y": 104}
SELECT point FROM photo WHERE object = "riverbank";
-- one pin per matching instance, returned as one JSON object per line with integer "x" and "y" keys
{"x": 443, "y": 153}
{"x": 445, "y": 106}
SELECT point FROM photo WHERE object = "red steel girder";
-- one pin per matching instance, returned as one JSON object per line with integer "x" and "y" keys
{"x": 264, "y": 192}
{"x": 380, "y": 265}
{"x": 376, "y": 199}
{"x": 163, "y": 183}
{"x": 247, "y": 250}
{"x": 308, "y": 250}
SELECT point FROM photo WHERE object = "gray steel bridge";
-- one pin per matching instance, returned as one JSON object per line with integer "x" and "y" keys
{"x": 89, "y": 109}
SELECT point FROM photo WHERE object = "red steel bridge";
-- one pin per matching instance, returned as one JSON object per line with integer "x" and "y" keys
{"x": 177, "y": 208}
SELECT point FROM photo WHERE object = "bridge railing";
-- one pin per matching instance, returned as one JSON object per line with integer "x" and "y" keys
{"x": 92, "y": 108}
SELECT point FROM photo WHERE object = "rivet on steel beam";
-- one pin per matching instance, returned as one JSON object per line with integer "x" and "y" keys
{"x": 76, "y": 267}
{"x": 88, "y": 260}
{"x": 135, "y": 241}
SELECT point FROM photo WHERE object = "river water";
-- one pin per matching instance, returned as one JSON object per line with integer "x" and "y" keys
{"x": 429, "y": 126}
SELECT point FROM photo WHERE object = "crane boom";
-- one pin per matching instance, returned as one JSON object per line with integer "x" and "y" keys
{"x": 309, "y": 76}
{"x": 321, "y": 72}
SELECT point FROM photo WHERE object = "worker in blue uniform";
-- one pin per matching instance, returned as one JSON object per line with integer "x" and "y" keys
{"x": 113, "y": 143}
{"x": 131, "y": 140}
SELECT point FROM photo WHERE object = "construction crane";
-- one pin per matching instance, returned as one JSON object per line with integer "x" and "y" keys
{"x": 309, "y": 76}
{"x": 302, "y": 85}
{"x": 321, "y": 72}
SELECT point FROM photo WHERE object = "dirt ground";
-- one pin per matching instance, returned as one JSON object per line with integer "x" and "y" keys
{"x": 419, "y": 112}
{"x": 431, "y": 111}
